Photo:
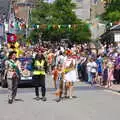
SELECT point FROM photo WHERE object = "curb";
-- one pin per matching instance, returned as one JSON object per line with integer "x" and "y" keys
{"x": 118, "y": 91}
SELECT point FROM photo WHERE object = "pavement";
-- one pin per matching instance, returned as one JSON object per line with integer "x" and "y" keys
{"x": 114, "y": 87}
{"x": 92, "y": 103}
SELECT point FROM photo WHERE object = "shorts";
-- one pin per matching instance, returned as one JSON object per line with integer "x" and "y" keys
{"x": 99, "y": 73}
{"x": 93, "y": 75}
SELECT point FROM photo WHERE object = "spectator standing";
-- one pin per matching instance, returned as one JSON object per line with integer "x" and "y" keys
{"x": 93, "y": 71}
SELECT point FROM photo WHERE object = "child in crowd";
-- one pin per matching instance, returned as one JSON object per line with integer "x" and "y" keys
{"x": 55, "y": 76}
{"x": 59, "y": 82}
{"x": 110, "y": 73}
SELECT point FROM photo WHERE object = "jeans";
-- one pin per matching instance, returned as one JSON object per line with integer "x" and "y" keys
{"x": 39, "y": 81}
{"x": 89, "y": 77}
{"x": 12, "y": 88}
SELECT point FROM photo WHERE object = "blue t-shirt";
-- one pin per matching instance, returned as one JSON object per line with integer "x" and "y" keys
{"x": 99, "y": 62}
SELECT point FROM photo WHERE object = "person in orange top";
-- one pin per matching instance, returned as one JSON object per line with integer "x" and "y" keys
{"x": 59, "y": 82}
{"x": 50, "y": 60}
{"x": 55, "y": 76}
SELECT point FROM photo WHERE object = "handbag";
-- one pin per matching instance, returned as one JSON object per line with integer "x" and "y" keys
{"x": 15, "y": 76}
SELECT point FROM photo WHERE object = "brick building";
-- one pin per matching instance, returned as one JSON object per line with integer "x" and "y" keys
{"x": 22, "y": 8}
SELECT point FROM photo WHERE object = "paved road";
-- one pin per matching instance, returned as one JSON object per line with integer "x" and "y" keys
{"x": 90, "y": 104}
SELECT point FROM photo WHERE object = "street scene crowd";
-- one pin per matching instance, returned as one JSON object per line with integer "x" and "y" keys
{"x": 59, "y": 59}
{"x": 66, "y": 63}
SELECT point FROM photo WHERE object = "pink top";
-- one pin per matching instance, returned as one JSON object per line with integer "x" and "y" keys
{"x": 110, "y": 74}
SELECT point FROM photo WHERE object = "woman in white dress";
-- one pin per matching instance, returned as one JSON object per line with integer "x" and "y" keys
{"x": 70, "y": 75}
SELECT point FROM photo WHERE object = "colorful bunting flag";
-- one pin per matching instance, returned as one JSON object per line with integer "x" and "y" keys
{"x": 49, "y": 27}
{"x": 54, "y": 27}
{"x": 59, "y": 26}
{"x": 43, "y": 26}
{"x": 38, "y": 26}
{"x": 69, "y": 26}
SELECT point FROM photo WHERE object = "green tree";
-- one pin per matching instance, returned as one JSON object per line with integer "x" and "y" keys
{"x": 112, "y": 13}
{"x": 41, "y": 12}
{"x": 59, "y": 13}
{"x": 81, "y": 34}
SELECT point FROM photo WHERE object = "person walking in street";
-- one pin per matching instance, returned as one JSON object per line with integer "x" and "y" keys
{"x": 55, "y": 76}
{"x": 39, "y": 72}
{"x": 70, "y": 74}
{"x": 59, "y": 82}
{"x": 12, "y": 76}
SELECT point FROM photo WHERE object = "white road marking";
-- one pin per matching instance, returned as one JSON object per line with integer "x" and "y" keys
{"x": 113, "y": 92}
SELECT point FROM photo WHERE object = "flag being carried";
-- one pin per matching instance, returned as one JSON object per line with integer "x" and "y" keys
{"x": 12, "y": 21}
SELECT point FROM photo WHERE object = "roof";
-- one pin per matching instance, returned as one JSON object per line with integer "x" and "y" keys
{"x": 112, "y": 29}
{"x": 115, "y": 27}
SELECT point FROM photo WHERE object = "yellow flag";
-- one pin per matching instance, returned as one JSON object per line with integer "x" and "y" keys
{"x": 17, "y": 45}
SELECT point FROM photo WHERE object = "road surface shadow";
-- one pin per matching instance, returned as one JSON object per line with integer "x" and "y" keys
{"x": 31, "y": 90}
{"x": 19, "y": 100}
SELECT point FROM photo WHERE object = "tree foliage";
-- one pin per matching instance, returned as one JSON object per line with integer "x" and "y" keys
{"x": 59, "y": 13}
{"x": 112, "y": 13}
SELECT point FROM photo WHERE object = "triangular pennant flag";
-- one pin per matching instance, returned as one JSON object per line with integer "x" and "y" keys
{"x": 26, "y": 25}
{"x": 49, "y": 27}
{"x": 69, "y": 26}
{"x": 43, "y": 26}
{"x": 38, "y": 26}
{"x": 59, "y": 26}
{"x": 55, "y": 26}
{"x": 74, "y": 26}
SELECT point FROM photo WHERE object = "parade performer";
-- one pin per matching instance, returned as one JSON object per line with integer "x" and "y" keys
{"x": 70, "y": 74}
{"x": 39, "y": 72}
{"x": 12, "y": 75}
